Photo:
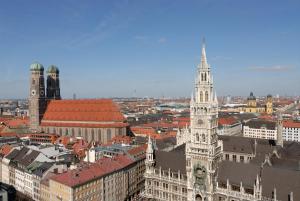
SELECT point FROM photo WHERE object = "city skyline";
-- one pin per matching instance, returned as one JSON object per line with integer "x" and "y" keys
{"x": 125, "y": 49}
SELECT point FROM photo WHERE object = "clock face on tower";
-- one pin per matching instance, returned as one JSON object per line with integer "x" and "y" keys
{"x": 200, "y": 122}
{"x": 33, "y": 92}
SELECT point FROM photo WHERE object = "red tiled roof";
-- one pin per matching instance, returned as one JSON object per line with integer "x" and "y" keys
{"x": 291, "y": 124}
{"x": 9, "y": 135}
{"x": 143, "y": 131}
{"x": 102, "y": 110}
{"x": 85, "y": 125}
{"x": 227, "y": 120}
{"x": 88, "y": 172}
{"x": 121, "y": 139}
{"x": 14, "y": 123}
{"x": 1, "y": 128}
{"x": 139, "y": 151}
{"x": 5, "y": 149}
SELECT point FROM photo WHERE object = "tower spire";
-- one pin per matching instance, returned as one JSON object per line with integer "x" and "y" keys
{"x": 203, "y": 53}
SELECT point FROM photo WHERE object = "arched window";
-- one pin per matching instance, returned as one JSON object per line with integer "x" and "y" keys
{"x": 92, "y": 135}
{"x": 203, "y": 137}
{"x": 99, "y": 135}
{"x": 197, "y": 137}
{"x": 198, "y": 197}
{"x": 73, "y": 132}
{"x": 60, "y": 131}
{"x": 67, "y": 131}
{"x": 206, "y": 96}
{"x": 108, "y": 134}
{"x": 48, "y": 130}
{"x": 201, "y": 96}
{"x": 204, "y": 76}
{"x": 85, "y": 133}
{"x": 79, "y": 132}
{"x": 54, "y": 130}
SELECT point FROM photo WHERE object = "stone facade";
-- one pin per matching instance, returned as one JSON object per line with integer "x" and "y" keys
{"x": 37, "y": 101}
{"x": 207, "y": 167}
{"x": 90, "y": 121}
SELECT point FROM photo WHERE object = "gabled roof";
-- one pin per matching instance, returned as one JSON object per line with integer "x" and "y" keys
{"x": 258, "y": 124}
{"x": 237, "y": 173}
{"x": 88, "y": 172}
{"x": 175, "y": 159}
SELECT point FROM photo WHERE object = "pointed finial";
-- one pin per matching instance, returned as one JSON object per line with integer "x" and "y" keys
{"x": 216, "y": 98}
{"x": 203, "y": 54}
{"x": 150, "y": 145}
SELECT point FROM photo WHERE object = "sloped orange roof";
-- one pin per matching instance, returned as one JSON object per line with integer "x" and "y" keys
{"x": 139, "y": 151}
{"x": 5, "y": 149}
{"x": 143, "y": 130}
{"x": 88, "y": 172}
{"x": 1, "y": 128}
{"x": 18, "y": 122}
{"x": 102, "y": 110}
{"x": 120, "y": 139}
{"x": 227, "y": 120}
{"x": 85, "y": 125}
{"x": 291, "y": 124}
{"x": 9, "y": 135}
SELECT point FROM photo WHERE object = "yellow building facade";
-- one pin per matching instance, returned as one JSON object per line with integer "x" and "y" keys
{"x": 254, "y": 107}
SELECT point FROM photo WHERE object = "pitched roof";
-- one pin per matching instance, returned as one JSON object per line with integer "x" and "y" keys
{"x": 291, "y": 124}
{"x": 258, "y": 124}
{"x": 235, "y": 173}
{"x": 227, "y": 121}
{"x": 285, "y": 181}
{"x": 97, "y": 110}
{"x": 175, "y": 159}
{"x": 88, "y": 172}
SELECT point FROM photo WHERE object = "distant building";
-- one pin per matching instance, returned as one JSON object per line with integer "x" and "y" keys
{"x": 254, "y": 107}
{"x": 24, "y": 168}
{"x": 94, "y": 120}
{"x": 260, "y": 129}
{"x": 118, "y": 178}
{"x": 291, "y": 130}
{"x": 208, "y": 167}
{"x": 229, "y": 126}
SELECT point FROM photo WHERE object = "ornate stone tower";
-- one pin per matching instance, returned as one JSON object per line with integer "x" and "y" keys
{"x": 269, "y": 104}
{"x": 279, "y": 129}
{"x": 202, "y": 149}
{"x": 37, "y": 103}
{"x": 149, "y": 156}
{"x": 53, "y": 89}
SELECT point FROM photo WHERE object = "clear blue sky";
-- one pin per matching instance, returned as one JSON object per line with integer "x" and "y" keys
{"x": 113, "y": 48}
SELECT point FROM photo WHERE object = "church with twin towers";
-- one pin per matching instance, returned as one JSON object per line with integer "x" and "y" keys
{"x": 207, "y": 167}
{"x": 94, "y": 120}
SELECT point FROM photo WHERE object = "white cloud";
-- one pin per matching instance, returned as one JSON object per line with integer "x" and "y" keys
{"x": 162, "y": 40}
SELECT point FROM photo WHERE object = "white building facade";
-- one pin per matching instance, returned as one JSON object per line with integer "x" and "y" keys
{"x": 291, "y": 131}
{"x": 260, "y": 129}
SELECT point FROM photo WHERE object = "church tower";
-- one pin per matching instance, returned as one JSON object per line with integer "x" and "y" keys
{"x": 53, "y": 89}
{"x": 269, "y": 104}
{"x": 37, "y": 103}
{"x": 202, "y": 149}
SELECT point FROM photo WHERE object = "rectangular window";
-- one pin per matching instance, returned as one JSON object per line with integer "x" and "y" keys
{"x": 234, "y": 158}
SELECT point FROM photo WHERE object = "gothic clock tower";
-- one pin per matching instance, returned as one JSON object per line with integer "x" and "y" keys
{"x": 202, "y": 149}
{"x": 37, "y": 102}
